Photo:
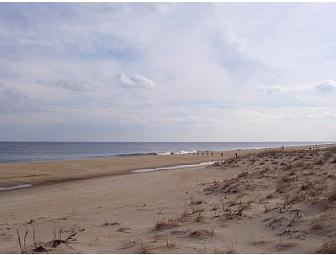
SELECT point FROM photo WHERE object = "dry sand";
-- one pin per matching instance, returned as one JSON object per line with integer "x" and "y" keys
{"x": 270, "y": 202}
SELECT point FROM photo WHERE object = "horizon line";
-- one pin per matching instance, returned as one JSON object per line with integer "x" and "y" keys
{"x": 278, "y": 141}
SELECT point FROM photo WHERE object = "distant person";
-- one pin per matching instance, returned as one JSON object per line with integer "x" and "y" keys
{"x": 221, "y": 154}
{"x": 236, "y": 154}
{"x": 283, "y": 148}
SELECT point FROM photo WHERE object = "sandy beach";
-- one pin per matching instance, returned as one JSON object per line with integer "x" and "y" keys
{"x": 38, "y": 173}
{"x": 264, "y": 201}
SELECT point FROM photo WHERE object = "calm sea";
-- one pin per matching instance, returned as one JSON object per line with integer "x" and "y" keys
{"x": 46, "y": 151}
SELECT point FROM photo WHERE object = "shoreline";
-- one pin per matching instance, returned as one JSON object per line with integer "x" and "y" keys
{"x": 60, "y": 171}
{"x": 159, "y": 153}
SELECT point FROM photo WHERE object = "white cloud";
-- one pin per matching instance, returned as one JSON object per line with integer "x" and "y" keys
{"x": 319, "y": 89}
{"x": 328, "y": 86}
{"x": 134, "y": 81}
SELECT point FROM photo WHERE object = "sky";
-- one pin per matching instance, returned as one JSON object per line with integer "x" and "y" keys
{"x": 167, "y": 72}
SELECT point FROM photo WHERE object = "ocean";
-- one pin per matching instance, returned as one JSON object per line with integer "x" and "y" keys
{"x": 47, "y": 151}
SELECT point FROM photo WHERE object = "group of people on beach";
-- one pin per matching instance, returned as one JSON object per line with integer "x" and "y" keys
{"x": 203, "y": 153}
{"x": 211, "y": 154}
{"x": 315, "y": 147}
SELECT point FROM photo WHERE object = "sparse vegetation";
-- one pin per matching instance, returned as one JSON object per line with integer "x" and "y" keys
{"x": 199, "y": 217}
{"x": 201, "y": 234}
{"x": 317, "y": 224}
{"x": 332, "y": 194}
{"x": 267, "y": 208}
{"x": 196, "y": 202}
{"x": 303, "y": 179}
{"x": 243, "y": 174}
{"x": 328, "y": 248}
{"x": 40, "y": 246}
{"x": 144, "y": 247}
{"x": 166, "y": 224}
{"x": 319, "y": 162}
{"x": 230, "y": 248}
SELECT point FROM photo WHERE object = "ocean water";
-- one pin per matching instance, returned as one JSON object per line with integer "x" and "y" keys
{"x": 46, "y": 151}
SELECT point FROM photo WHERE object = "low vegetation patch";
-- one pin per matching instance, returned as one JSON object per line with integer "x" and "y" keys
{"x": 37, "y": 246}
{"x": 166, "y": 224}
{"x": 328, "y": 248}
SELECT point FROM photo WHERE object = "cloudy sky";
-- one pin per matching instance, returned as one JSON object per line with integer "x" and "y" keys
{"x": 167, "y": 72}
